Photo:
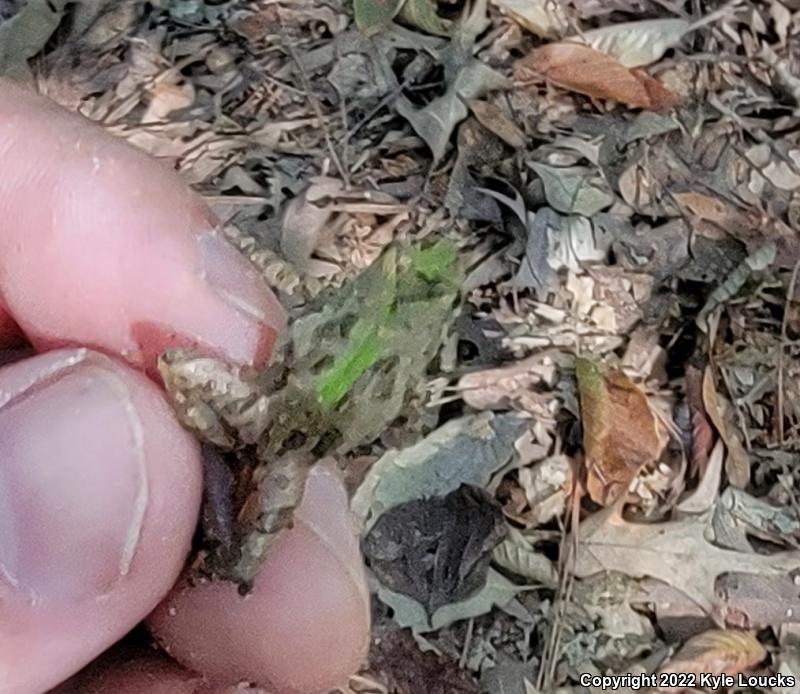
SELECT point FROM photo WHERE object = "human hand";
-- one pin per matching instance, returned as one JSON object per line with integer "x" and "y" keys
{"x": 103, "y": 248}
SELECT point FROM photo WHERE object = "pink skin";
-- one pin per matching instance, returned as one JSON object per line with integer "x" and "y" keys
{"x": 99, "y": 486}
{"x": 139, "y": 671}
{"x": 211, "y": 629}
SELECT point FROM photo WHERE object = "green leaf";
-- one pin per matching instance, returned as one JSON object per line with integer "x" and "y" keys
{"x": 26, "y": 33}
{"x": 466, "y": 450}
{"x": 590, "y": 377}
{"x": 574, "y": 189}
{"x": 363, "y": 349}
{"x": 373, "y": 15}
{"x": 408, "y": 613}
{"x": 423, "y": 15}
{"x": 517, "y": 554}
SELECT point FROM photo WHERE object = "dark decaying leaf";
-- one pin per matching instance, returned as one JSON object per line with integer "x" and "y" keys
{"x": 467, "y": 450}
{"x": 534, "y": 270}
{"x": 467, "y": 78}
{"x": 218, "y": 489}
{"x": 436, "y": 121}
{"x": 479, "y": 339}
{"x": 397, "y": 661}
{"x": 436, "y": 550}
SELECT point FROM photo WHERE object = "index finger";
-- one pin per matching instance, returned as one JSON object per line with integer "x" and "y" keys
{"x": 102, "y": 246}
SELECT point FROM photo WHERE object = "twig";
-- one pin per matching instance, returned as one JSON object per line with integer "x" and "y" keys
{"x": 568, "y": 554}
{"x": 385, "y": 101}
{"x": 312, "y": 97}
{"x": 462, "y": 661}
{"x": 727, "y": 8}
{"x": 781, "y": 354}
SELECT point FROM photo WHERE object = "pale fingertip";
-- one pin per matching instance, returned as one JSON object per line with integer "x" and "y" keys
{"x": 304, "y": 629}
{"x": 103, "y": 246}
{"x": 99, "y": 496}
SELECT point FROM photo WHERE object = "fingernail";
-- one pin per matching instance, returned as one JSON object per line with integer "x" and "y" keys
{"x": 73, "y": 482}
{"x": 236, "y": 281}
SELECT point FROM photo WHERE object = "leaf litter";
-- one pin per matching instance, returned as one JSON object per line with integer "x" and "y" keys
{"x": 540, "y": 261}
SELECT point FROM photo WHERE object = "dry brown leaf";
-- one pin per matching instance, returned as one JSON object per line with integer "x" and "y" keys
{"x": 166, "y": 97}
{"x": 737, "y": 463}
{"x": 492, "y": 117}
{"x": 714, "y": 218}
{"x": 706, "y": 494}
{"x": 620, "y": 432}
{"x": 587, "y": 71}
{"x": 676, "y": 552}
{"x": 702, "y": 433}
{"x": 716, "y": 652}
{"x": 306, "y": 216}
{"x": 516, "y": 385}
{"x": 540, "y": 492}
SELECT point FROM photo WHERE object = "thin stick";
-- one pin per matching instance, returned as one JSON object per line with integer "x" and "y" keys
{"x": 568, "y": 554}
{"x": 727, "y": 8}
{"x": 385, "y": 101}
{"x": 312, "y": 97}
{"x": 462, "y": 661}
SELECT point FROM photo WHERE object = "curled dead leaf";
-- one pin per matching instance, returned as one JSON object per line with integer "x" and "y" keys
{"x": 544, "y": 18}
{"x": 636, "y": 44}
{"x": 516, "y": 385}
{"x": 737, "y": 462}
{"x": 540, "y": 492}
{"x": 586, "y": 71}
{"x": 714, "y": 217}
{"x": 621, "y": 434}
{"x": 702, "y": 435}
{"x": 305, "y": 218}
